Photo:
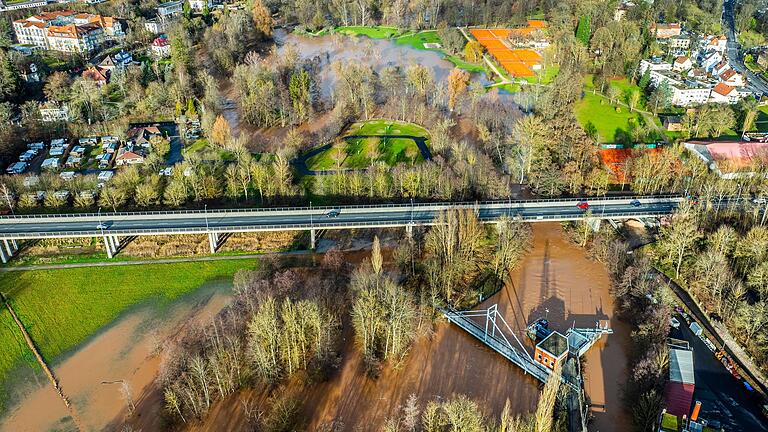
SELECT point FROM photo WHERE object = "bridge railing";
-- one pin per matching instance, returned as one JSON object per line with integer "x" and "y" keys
{"x": 405, "y": 206}
{"x": 22, "y": 234}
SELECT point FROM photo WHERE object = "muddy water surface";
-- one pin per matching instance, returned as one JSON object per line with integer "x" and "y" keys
{"x": 557, "y": 281}
{"x": 115, "y": 367}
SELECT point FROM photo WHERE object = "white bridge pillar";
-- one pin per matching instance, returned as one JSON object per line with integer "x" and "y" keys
{"x": 108, "y": 247}
{"x": 8, "y": 249}
{"x": 313, "y": 239}
{"x": 213, "y": 241}
{"x": 409, "y": 230}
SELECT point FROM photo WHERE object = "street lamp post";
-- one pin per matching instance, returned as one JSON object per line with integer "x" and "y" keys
{"x": 205, "y": 210}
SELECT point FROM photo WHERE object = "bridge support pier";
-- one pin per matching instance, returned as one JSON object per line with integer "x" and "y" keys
{"x": 409, "y": 231}
{"x": 7, "y": 250}
{"x": 312, "y": 239}
{"x": 108, "y": 247}
{"x": 213, "y": 241}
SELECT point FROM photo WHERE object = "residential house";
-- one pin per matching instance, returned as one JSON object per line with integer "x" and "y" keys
{"x": 77, "y": 151}
{"x": 170, "y": 10}
{"x": 73, "y": 162}
{"x": 720, "y": 68}
{"x": 129, "y": 157}
{"x": 732, "y": 78}
{"x": 68, "y": 175}
{"x": 30, "y": 74}
{"x": 682, "y": 63}
{"x": 97, "y": 74}
{"x": 716, "y": 43}
{"x": 680, "y": 42}
{"x": 17, "y": 168}
{"x": 51, "y": 113}
{"x": 155, "y": 26}
{"x": 666, "y": 30}
{"x": 161, "y": 47}
{"x": 697, "y": 73}
{"x": 86, "y": 141}
{"x": 52, "y": 163}
{"x": 685, "y": 92}
{"x": 723, "y": 93}
{"x": 200, "y": 5}
{"x": 654, "y": 64}
{"x": 105, "y": 176}
{"x": 711, "y": 60}
{"x": 141, "y": 136}
{"x": 105, "y": 160}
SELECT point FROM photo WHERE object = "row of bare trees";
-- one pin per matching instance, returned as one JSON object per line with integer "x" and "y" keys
{"x": 275, "y": 328}
{"x": 384, "y": 314}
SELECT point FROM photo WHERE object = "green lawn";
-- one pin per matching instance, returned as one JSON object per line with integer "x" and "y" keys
{"x": 545, "y": 76}
{"x": 15, "y": 352}
{"x": 356, "y": 153}
{"x": 595, "y": 111}
{"x": 62, "y": 308}
{"x": 377, "y": 32}
{"x": 417, "y": 40}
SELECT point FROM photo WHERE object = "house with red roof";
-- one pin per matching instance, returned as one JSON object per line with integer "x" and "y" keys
{"x": 723, "y": 93}
{"x": 97, "y": 74}
{"x": 161, "y": 47}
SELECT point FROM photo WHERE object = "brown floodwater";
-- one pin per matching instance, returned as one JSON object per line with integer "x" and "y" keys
{"x": 126, "y": 352}
{"x": 555, "y": 280}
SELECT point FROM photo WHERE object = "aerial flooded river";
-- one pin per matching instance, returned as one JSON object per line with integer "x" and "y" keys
{"x": 555, "y": 280}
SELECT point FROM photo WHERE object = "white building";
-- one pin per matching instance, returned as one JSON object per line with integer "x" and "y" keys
{"x": 711, "y": 60}
{"x": 682, "y": 63}
{"x": 67, "y": 31}
{"x": 161, "y": 47}
{"x": 54, "y": 113}
{"x": 200, "y": 5}
{"x": 716, "y": 43}
{"x": 723, "y": 93}
{"x": 733, "y": 78}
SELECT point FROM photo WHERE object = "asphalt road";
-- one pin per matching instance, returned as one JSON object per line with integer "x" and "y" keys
{"x": 277, "y": 219}
{"x": 733, "y": 51}
{"x": 725, "y": 402}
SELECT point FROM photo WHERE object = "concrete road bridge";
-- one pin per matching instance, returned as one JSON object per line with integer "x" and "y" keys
{"x": 114, "y": 226}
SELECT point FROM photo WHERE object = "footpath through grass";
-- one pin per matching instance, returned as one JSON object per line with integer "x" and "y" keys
{"x": 62, "y": 308}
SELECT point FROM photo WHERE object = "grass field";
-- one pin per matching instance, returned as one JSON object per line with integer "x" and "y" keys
{"x": 62, "y": 308}
{"x": 355, "y": 153}
{"x": 417, "y": 40}
{"x": 376, "y": 32}
{"x": 206, "y": 151}
{"x": 608, "y": 120}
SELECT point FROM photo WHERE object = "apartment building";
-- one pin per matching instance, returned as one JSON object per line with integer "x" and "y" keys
{"x": 67, "y": 31}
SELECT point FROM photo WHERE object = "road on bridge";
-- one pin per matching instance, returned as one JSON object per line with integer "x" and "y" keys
{"x": 275, "y": 219}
